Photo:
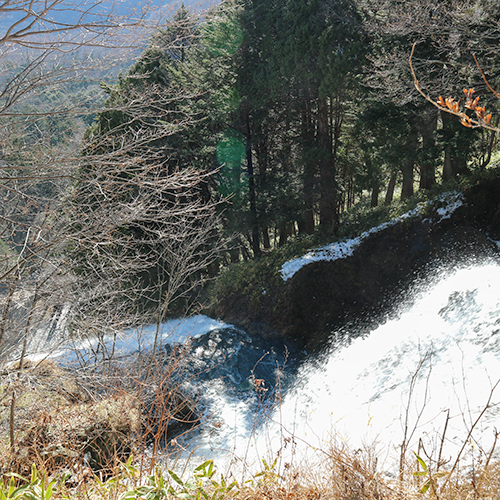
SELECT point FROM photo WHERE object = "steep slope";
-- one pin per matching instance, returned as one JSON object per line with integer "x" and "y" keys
{"x": 360, "y": 280}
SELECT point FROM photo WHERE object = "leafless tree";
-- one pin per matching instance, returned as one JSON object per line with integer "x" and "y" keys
{"x": 107, "y": 230}
{"x": 446, "y": 34}
{"x": 471, "y": 113}
{"x": 98, "y": 232}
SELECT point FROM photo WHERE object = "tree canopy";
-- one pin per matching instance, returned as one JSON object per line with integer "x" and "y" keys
{"x": 305, "y": 107}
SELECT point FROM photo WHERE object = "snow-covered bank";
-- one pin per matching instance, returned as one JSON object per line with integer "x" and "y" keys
{"x": 340, "y": 250}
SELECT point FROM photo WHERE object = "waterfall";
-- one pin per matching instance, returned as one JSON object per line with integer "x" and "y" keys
{"x": 417, "y": 382}
{"x": 433, "y": 367}
{"x": 440, "y": 357}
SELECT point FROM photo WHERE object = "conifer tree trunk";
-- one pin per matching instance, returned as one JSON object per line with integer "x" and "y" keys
{"x": 456, "y": 148}
{"x": 285, "y": 230}
{"x": 309, "y": 169}
{"x": 251, "y": 187}
{"x": 374, "y": 197}
{"x": 262, "y": 154}
{"x": 408, "y": 165}
{"x": 427, "y": 169}
{"x": 447, "y": 170}
{"x": 326, "y": 167}
{"x": 336, "y": 124}
{"x": 389, "y": 195}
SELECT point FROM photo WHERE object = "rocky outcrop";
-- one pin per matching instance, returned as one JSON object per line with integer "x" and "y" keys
{"x": 323, "y": 297}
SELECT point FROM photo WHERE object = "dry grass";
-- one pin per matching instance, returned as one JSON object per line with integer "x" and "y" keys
{"x": 62, "y": 425}
{"x": 342, "y": 476}
{"x": 349, "y": 476}
{"x": 59, "y": 424}
{"x": 79, "y": 419}
{"x": 100, "y": 435}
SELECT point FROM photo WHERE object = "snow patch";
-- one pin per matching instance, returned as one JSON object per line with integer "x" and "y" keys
{"x": 445, "y": 212}
{"x": 343, "y": 249}
{"x": 142, "y": 339}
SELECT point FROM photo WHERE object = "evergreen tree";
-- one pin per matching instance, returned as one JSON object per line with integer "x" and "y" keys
{"x": 296, "y": 72}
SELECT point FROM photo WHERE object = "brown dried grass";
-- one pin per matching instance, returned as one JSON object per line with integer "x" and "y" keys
{"x": 59, "y": 422}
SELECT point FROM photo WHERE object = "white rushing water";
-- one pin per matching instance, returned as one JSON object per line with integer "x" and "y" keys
{"x": 447, "y": 342}
{"x": 438, "y": 356}
{"x": 125, "y": 343}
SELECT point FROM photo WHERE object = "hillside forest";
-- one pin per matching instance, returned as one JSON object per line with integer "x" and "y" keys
{"x": 222, "y": 136}
{"x": 298, "y": 110}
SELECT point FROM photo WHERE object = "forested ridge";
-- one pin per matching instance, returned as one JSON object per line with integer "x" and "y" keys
{"x": 305, "y": 108}
{"x": 232, "y": 133}
{"x": 305, "y": 119}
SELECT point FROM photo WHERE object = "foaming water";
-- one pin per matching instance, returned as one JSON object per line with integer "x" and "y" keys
{"x": 434, "y": 367}
{"x": 441, "y": 355}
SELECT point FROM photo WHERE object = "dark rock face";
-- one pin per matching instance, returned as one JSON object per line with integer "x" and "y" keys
{"x": 484, "y": 202}
{"x": 322, "y": 297}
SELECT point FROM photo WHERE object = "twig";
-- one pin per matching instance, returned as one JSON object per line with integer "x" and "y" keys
{"x": 466, "y": 440}
{"x": 470, "y": 122}
{"x": 442, "y": 439}
{"x": 484, "y": 78}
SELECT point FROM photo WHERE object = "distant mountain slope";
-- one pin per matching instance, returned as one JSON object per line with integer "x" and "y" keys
{"x": 89, "y": 11}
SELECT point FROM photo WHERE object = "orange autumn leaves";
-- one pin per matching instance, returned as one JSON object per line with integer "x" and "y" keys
{"x": 472, "y": 104}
